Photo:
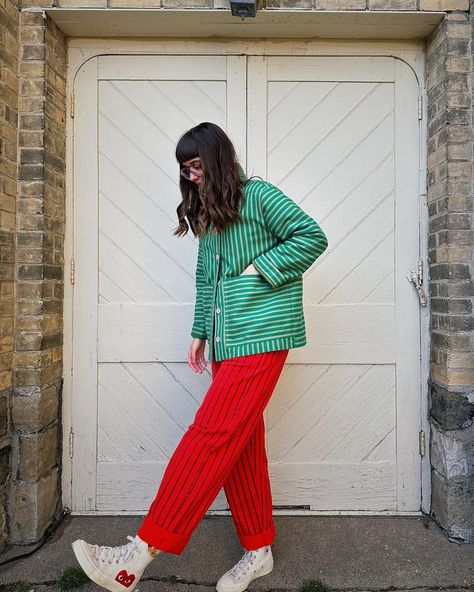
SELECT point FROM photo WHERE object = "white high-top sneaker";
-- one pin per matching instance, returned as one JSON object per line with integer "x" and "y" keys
{"x": 254, "y": 563}
{"x": 115, "y": 568}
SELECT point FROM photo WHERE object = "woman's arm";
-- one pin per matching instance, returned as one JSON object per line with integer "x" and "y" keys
{"x": 303, "y": 240}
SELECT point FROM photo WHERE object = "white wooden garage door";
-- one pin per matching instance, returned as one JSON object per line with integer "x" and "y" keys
{"x": 340, "y": 136}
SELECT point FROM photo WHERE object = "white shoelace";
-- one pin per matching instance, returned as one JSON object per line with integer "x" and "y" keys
{"x": 242, "y": 565}
{"x": 103, "y": 553}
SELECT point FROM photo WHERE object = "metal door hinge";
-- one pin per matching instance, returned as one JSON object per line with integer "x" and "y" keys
{"x": 421, "y": 442}
{"x": 72, "y": 106}
{"x": 72, "y": 271}
{"x": 71, "y": 443}
{"x": 420, "y": 106}
{"x": 416, "y": 278}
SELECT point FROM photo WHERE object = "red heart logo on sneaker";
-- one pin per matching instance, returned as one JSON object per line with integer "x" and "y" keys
{"x": 125, "y": 578}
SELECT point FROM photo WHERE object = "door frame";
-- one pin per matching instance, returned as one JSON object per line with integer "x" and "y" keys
{"x": 82, "y": 50}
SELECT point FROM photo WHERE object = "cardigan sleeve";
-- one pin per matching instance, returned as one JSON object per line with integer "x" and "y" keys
{"x": 199, "y": 328}
{"x": 302, "y": 240}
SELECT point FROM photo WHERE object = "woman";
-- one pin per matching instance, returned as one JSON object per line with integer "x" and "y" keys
{"x": 254, "y": 245}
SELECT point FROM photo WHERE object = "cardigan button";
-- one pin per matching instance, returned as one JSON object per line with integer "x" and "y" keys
{"x": 217, "y": 255}
{"x": 218, "y": 310}
{"x": 218, "y": 338}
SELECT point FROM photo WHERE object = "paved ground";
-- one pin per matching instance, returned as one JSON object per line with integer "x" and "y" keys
{"x": 360, "y": 553}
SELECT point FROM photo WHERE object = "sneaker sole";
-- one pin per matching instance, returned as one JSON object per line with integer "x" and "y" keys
{"x": 244, "y": 585}
{"x": 93, "y": 573}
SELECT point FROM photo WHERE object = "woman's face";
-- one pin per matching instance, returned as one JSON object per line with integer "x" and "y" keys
{"x": 194, "y": 162}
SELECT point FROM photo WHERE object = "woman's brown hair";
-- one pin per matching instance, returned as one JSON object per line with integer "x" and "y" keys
{"x": 219, "y": 195}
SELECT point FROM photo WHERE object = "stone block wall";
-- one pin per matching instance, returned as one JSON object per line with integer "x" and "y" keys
{"x": 9, "y": 46}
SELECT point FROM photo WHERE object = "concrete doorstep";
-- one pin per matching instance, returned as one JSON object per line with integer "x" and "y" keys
{"x": 360, "y": 553}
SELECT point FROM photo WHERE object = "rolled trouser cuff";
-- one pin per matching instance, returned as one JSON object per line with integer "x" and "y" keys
{"x": 162, "y": 539}
{"x": 255, "y": 541}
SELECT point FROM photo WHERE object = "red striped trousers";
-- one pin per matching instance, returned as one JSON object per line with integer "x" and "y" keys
{"x": 223, "y": 447}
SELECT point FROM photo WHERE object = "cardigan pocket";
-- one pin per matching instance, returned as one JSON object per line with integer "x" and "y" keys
{"x": 256, "y": 311}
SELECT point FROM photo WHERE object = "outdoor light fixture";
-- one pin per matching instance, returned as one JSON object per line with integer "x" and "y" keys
{"x": 243, "y": 8}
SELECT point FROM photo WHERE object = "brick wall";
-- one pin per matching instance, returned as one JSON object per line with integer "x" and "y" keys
{"x": 32, "y": 240}
{"x": 35, "y": 410}
{"x": 375, "y": 5}
{"x": 9, "y": 18}
{"x": 450, "y": 240}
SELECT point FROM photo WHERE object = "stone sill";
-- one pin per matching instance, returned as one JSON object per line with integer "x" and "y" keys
{"x": 281, "y": 23}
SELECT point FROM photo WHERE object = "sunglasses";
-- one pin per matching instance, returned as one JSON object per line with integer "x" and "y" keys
{"x": 196, "y": 170}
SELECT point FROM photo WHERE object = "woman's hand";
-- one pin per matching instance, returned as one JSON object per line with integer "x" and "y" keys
{"x": 250, "y": 269}
{"x": 196, "y": 358}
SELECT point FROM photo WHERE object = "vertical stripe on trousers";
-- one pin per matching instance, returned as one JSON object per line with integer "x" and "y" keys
{"x": 223, "y": 447}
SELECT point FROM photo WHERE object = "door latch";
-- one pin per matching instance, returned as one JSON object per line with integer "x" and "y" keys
{"x": 416, "y": 278}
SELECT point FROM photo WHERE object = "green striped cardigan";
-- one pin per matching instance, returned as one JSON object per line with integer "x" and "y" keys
{"x": 254, "y": 313}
